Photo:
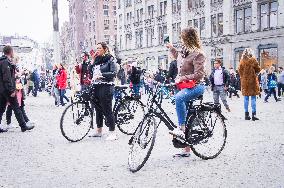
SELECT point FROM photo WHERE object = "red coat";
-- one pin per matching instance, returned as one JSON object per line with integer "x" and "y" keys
{"x": 61, "y": 79}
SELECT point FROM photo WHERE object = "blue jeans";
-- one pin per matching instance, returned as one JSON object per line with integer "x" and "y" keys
{"x": 136, "y": 88}
{"x": 253, "y": 103}
{"x": 182, "y": 99}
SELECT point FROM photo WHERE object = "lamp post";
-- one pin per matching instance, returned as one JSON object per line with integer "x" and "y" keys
{"x": 56, "y": 32}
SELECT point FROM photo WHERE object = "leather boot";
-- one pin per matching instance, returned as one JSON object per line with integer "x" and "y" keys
{"x": 254, "y": 118}
{"x": 247, "y": 117}
{"x": 27, "y": 128}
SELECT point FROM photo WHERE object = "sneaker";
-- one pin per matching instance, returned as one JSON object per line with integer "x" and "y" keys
{"x": 30, "y": 123}
{"x": 96, "y": 134}
{"x": 177, "y": 132}
{"x": 2, "y": 130}
{"x": 111, "y": 137}
{"x": 182, "y": 154}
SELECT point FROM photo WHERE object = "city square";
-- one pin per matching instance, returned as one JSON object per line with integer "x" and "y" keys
{"x": 175, "y": 75}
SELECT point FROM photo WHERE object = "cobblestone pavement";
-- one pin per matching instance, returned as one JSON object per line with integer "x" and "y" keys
{"x": 253, "y": 156}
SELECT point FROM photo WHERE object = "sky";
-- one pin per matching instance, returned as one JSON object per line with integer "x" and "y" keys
{"x": 32, "y": 18}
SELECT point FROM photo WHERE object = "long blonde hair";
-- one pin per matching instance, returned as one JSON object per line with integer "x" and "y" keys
{"x": 271, "y": 70}
{"x": 247, "y": 53}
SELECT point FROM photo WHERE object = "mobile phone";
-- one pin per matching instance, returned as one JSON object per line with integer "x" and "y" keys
{"x": 166, "y": 38}
{"x": 92, "y": 52}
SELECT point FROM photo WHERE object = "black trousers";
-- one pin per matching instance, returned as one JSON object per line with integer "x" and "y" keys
{"x": 9, "y": 114}
{"x": 14, "y": 105}
{"x": 280, "y": 89}
{"x": 271, "y": 91}
{"x": 104, "y": 94}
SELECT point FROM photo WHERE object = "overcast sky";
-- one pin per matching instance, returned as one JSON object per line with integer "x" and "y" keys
{"x": 32, "y": 18}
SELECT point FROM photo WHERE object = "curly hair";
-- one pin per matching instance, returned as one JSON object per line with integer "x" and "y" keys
{"x": 191, "y": 38}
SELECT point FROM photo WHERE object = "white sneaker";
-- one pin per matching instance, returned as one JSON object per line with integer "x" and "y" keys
{"x": 30, "y": 123}
{"x": 111, "y": 137}
{"x": 177, "y": 132}
{"x": 96, "y": 134}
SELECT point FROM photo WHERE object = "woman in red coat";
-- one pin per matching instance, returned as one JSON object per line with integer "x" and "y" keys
{"x": 62, "y": 83}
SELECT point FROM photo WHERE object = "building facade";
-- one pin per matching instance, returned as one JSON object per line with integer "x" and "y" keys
{"x": 226, "y": 27}
{"x": 92, "y": 21}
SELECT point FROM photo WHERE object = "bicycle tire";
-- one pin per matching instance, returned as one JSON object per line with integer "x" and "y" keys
{"x": 123, "y": 118}
{"x": 194, "y": 146}
{"x": 63, "y": 126}
{"x": 134, "y": 142}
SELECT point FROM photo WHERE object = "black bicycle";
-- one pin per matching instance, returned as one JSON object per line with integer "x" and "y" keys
{"x": 78, "y": 118}
{"x": 205, "y": 132}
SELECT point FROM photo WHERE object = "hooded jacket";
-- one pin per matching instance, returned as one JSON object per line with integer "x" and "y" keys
{"x": 7, "y": 76}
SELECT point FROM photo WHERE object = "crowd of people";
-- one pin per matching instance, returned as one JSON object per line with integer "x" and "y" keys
{"x": 102, "y": 70}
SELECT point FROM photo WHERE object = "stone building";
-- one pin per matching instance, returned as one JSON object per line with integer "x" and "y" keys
{"x": 92, "y": 21}
{"x": 226, "y": 27}
{"x": 67, "y": 54}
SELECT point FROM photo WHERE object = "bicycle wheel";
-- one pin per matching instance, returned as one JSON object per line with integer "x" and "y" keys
{"x": 207, "y": 134}
{"x": 76, "y": 121}
{"x": 142, "y": 143}
{"x": 128, "y": 114}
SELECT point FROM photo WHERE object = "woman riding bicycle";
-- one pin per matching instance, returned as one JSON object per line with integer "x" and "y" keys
{"x": 103, "y": 71}
{"x": 191, "y": 62}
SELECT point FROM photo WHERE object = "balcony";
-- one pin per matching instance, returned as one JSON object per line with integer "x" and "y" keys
{"x": 241, "y": 2}
{"x": 161, "y": 19}
{"x": 149, "y": 22}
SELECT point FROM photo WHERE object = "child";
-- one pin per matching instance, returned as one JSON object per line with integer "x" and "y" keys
{"x": 21, "y": 97}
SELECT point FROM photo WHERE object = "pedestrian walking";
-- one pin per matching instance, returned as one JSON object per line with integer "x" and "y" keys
{"x": 54, "y": 86}
{"x": 262, "y": 78}
{"x": 280, "y": 82}
{"x": 272, "y": 84}
{"x": 191, "y": 62}
{"x": 36, "y": 79}
{"x": 220, "y": 80}
{"x": 8, "y": 89}
{"x": 135, "y": 79}
{"x": 103, "y": 72}
{"x": 173, "y": 70}
{"x": 248, "y": 69}
{"x": 234, "y": 82}
{"x": 20, "y": 95}
{"x": 62, "y": 84}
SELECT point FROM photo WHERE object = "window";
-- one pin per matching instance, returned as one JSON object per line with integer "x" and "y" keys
{"x": 213, "y": 26}
{"x": 189, "y": 23}
{"x": 139, "y": 39}
{"x": 94, "y": 26}
{"x": 247, "y": 22}
{"x": 90, "y": 26}
{"x": 202, "y": 27}
{"x": 163, "y": 8}
{"x": 150, "y": 36}
{"x": 268, "y": 56}
{"x": 139, "y": 14}
{"x": 268, "y": 15}
{"x": 216, "y": 25}
{"x": 220, "y": 24}
{"x": 128, "y": 3}
{"x": 176, "y": 32}
{"x": 189, "y": 4}
{"x": 176, "y": 6}
{"x": 195, "y": 23}
{"x": 151, "y": 11}
{"x": 162, "y": 31}
{"x": 106, "y": 38}
{"x": 106, "y": 24}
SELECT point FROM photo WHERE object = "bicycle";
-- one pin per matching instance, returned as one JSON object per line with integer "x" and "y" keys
{"x": 78, "y": 118}
{"x": 204, "y": 123}
{"x": 163, "y": 89}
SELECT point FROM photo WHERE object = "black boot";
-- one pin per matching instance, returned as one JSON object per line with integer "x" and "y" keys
{"x": 27, "y": 128}
{"x": 254, "y": 118}
{"x": 247, "y": 117}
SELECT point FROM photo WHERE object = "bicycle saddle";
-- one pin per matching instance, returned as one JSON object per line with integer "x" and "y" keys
{"x": 120, "y": 87}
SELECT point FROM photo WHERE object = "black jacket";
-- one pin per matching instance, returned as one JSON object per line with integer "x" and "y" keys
{"x": 173, "y": 70}
{"x": 135, "y": 75}
{"x": 107, "y": 65}
{"x": 7, "y": 76}
{"x": 226, "y": 77}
